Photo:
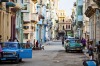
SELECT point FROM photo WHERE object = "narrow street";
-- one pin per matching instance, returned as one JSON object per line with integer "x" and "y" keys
{"x": 52, "y": 55}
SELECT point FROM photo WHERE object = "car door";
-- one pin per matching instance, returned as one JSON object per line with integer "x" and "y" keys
{"x": 25, "y": 52}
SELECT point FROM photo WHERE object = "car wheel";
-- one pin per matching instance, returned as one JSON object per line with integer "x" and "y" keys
{"x": 80, "y": 51}
{"x": 17, "y": 60}
{"x": 0, "y": 61}
{"x": 20, "y": 60}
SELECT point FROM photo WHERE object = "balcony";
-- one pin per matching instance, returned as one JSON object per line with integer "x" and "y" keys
{"x": 80, "y": 17}
{"x": 4, "y": 0}
{"x": 79, "y": 24}
{"x": 80, "y": 3}
{"x": 34, "y": 17}
{"x": 25, "y": 7}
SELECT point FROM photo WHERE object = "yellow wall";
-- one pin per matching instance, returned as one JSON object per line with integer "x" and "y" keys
{"x": 5, "y": 23}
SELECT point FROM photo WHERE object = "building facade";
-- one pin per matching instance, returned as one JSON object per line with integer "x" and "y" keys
{"x": 64, "y": 23}
{"x": 8, "y": 16}
{"x": 91, "y": 13}
{"x": 79, "y": 18}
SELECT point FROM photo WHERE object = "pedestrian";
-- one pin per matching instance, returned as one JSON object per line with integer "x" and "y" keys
{"x": 62, "y": 41}
{"x": 10, "y": 40}
{"x": 37, "y": 43}
{"x": 28, "y": 44}
{"x": 83, "y": 41}
{"x": 16, "y": 40}
{"x": 1, "y": 53}
{"x": 90, "y": 50}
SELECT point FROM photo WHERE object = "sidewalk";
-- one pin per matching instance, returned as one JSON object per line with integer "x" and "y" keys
{"x": 56, "y": 40}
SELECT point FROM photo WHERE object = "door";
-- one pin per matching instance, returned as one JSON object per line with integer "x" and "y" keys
{"x": 25, "y": 50}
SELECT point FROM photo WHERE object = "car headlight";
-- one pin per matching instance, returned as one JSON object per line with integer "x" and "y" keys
{"x": 14, "y": 53}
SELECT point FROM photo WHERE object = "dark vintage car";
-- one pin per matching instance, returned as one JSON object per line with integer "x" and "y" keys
{"x": 73, "y": 45}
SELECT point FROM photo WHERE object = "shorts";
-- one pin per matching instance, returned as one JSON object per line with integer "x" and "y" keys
{"x": 91, "y": 53}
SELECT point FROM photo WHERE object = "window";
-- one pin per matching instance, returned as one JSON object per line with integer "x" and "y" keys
{"x": 63, "y": 27}
{"x": 63, "y": 20}
{"x": 25, "y": 35}
{"x": 80, "y": 10}
{"x": 61, "y": 14}
{"x": 25, "y": 7}
{"x": 69, "y": 26}
{"x": 25, "y": 1}
{"x": 66, "y": 26}
{"x": 26, "y": 27}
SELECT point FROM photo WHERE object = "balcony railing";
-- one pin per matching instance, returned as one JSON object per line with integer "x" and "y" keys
{"x": 34, "y": 17}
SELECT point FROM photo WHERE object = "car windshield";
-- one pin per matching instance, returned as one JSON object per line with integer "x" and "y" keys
{"x": 10, "y": 45}
{"x": 73, "y": 40}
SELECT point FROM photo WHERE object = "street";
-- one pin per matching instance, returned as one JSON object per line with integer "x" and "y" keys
{"x": 52, "y": 55}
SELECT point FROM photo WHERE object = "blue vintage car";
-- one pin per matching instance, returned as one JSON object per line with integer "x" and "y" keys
{"x": 73, "y": 45}
{"x": 14, "y": 51}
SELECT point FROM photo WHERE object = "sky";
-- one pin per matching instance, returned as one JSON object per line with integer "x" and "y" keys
{"x": 67, "y": 5}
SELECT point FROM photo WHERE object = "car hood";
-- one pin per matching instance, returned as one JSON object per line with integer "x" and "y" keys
{"x": 74, "y": 45}
{"x": 10, "y": 50}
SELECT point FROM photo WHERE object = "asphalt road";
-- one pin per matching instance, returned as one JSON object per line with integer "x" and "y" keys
{"x": 52, "y": 55}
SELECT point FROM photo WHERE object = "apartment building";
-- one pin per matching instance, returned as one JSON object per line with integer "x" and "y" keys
{"x": 30, "y": 18}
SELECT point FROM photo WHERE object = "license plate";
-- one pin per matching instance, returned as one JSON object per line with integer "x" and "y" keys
{"x": 78, "y": 48}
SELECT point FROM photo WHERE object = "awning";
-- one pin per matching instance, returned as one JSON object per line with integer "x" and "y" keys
{"x": 4, "y": 0}
{"x": 10, "y": 4}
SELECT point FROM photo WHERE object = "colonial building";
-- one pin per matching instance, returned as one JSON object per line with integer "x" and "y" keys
{"x": 64, "y": 23}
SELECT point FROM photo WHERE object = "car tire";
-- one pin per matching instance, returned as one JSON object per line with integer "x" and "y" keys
{"x": 20, "y": 60}
{"x": 17, "y": 60}
{"x": 81, "y": 51}
{"x": 0, "y": 61}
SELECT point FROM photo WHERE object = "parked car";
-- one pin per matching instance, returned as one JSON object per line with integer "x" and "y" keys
{"x": 14, "y": 51}
{"x": 73, "y": 45}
